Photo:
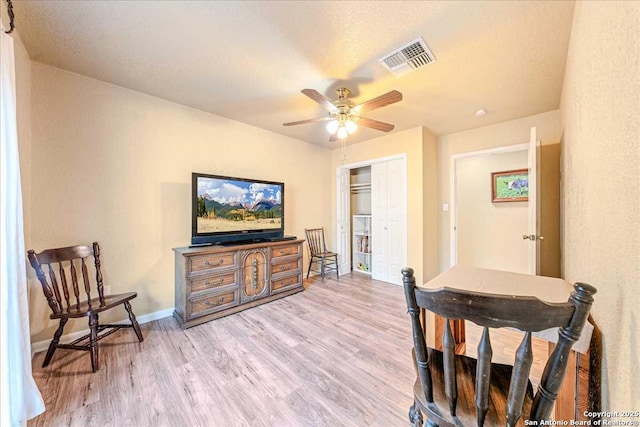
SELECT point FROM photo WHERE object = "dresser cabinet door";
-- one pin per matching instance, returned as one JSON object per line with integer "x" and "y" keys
{"x": 254, "y": 274}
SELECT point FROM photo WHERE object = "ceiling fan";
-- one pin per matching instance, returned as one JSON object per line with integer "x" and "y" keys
{"x": 344, "y": 116}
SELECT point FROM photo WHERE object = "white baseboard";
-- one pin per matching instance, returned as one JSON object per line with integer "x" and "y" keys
{"x": 67, "y": 338}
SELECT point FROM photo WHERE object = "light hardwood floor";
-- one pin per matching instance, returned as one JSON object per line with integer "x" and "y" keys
{"x": 337, "y": 354}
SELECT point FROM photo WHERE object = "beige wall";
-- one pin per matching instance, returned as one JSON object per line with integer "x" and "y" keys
{"x": 409, "y": 142}
{"x": 23, "y": 119}
{"x": 499, "y": 135}
{"x": 490, "y": 234}
{"x": 114, "y": 165}
{"x": 600, "y": 111}
{"x": 430, "y": 211}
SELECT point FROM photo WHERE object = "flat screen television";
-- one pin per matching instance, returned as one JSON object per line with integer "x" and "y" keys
{"x": 235, "y": 210}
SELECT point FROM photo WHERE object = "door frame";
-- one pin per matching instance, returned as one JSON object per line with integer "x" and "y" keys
{"x": 369, "y": 162}
{"x": 453, "y": 235}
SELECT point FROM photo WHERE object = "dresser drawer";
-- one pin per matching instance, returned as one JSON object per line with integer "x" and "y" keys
{"x": 286, "y": 250}
{"x": 213, "y": 302}
{"x": 212, "y": 262}
{"x": 280, "y": 285}
{"x": 212, "y": 281}
{"x": 287, "y": 266}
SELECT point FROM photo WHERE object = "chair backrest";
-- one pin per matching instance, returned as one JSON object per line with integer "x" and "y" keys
{"x": 60, "y": 261}
{"x": 529, "y": 314}
{"x": 315, "y": 240}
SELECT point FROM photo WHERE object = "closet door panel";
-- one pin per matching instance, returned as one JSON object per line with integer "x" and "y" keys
{"x": 396, "y": 219}
{"x": 344, "y": 218}
{"x": 379, "y": 221}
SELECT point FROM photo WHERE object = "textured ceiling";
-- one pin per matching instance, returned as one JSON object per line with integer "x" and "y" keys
{"x": 249, "y": 60}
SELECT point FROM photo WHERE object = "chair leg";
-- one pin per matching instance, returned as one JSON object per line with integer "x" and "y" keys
{"x": 322, "y": 269}
{"x": 337, "y": 268}
{"x": 415, "y": 416}
{"x": 309, "y": 270}
{"x": 93, "y": 341}
{"x": 134, "y": 322}
{"x": 54, "y": 343}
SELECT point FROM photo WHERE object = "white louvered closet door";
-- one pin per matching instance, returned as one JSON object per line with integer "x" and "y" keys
{"x": 388, "y": 216}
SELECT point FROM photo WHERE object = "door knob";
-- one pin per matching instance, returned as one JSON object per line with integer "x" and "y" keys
{"x": 532, "y": 237}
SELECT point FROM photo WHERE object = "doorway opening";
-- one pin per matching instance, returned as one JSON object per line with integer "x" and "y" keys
{"x": 484, "y": 233}
{"x": 372, "y": 218}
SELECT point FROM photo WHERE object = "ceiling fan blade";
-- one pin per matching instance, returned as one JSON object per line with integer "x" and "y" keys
{"x": 374, "y": 124}
{"x": 379, "y": 102}
{"x": 301, "y": 122}
{"x": 320, "y": 99}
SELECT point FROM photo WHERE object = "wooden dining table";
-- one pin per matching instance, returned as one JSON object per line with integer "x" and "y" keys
{"x": 548, "y": 289}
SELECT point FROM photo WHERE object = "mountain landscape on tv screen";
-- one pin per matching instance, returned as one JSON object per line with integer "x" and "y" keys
{"x": 229, "y": 205}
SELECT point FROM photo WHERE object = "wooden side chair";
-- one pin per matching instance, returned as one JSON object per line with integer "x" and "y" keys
{"x": 455, "y": 390}
{"x": 65, "y": 305}
{"x": 318, "y": 253}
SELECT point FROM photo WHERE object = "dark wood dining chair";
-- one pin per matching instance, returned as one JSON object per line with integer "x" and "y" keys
{"x": 456, "y": 390}
{"x": 318, "y": 253}
{"x": 77, "y": 301}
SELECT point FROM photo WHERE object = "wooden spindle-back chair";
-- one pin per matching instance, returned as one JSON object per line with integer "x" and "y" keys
{"x": 78, "y": 300}
{"x": 318, "y": 253}
{"x": 455, "y": 390}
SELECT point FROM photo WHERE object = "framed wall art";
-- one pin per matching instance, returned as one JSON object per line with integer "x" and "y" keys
{"x": 510, "y": 186}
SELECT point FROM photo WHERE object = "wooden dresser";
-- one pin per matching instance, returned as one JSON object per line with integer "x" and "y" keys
{"x": 216, "y": 281}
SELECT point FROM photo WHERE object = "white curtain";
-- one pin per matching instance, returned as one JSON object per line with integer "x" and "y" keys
{"x": 21, "y": 399}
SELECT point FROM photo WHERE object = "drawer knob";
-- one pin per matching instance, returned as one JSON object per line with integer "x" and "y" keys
{"x": 212, "y": 304}
{"x": 283, "y": 267}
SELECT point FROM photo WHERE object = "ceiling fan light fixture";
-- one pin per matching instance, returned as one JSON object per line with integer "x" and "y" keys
{"x": 332, "y": 126}
{"x": 344, "y": 117}
{"x": 342, "y": 132}
{"x": 351, "y": 126}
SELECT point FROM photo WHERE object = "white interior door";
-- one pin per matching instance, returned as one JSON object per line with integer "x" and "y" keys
{"x": 534, "y": 204}
{"x": 379, "y": 221}
{"x": 396, "y": 221}
{"x": 343, "y": 220}
{"x": 489, "y": 235}
{"x": 388, "y": 215}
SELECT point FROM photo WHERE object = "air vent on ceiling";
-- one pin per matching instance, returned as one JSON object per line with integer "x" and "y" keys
{"x": 409, "y": 57}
